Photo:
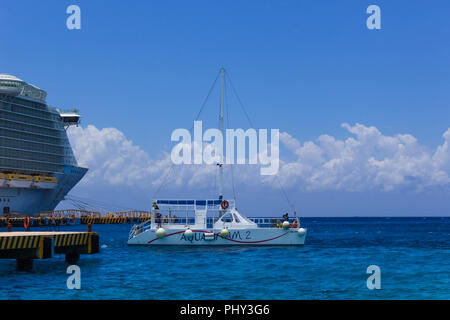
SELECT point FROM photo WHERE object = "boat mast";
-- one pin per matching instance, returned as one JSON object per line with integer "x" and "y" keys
{"x": 222, "y": 76}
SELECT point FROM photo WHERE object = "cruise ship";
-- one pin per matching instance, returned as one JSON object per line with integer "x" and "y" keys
{"x": 37, "y": 164}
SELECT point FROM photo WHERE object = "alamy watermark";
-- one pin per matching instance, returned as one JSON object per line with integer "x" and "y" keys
{"x": 208, "y": 147}
{"x": 74, "y": 20}
{"x": 374, "y": 280}
{"x": 74, "y": 280}
{"x": 373, "y": 22}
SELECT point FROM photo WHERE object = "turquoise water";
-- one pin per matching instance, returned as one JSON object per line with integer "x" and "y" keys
{"x": 412, "y": 253}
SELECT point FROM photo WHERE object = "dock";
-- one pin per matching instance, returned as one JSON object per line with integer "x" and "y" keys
{"x": 27, "y": 246}
{"x": 77, "y": 217}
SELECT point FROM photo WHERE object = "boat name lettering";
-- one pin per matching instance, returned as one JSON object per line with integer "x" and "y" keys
{"x": 200, "y": 236}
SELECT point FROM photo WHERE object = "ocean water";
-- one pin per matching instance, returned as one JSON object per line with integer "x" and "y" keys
{"x": 413, "y": 255}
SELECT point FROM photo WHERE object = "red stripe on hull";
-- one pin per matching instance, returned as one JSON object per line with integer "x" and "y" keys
{"x": 250, "y": 242}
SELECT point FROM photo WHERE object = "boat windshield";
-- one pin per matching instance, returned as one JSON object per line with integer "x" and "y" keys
{"x": 233, "y": 219}
{"x": 228, "y": 217}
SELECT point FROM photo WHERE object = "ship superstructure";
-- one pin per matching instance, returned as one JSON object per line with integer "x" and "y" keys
{"x": 37, "y": 164}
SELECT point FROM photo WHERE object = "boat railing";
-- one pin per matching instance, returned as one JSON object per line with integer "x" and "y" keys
{"x": 270, "y": 222}
{"x": 139, "y": 228}
{"x": 190, "y": 205}
{"x": 262, "y": 222}
{"x": 183, "y": 221}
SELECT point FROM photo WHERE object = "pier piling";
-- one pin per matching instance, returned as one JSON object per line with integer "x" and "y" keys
{"x": 27, "y": 246}
{"x": 24, "y": 264}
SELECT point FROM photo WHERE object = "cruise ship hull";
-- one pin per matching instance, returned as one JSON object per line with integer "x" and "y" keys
{"x": 18, "y": 184}
{"x": 32, "y": 201}
{"x": 44, "y": 185}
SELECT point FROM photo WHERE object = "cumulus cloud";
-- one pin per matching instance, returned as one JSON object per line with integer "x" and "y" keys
{"x": 114, "y": 160}
{"x": 368, "y": 160}
{"x": 111, "y": 157}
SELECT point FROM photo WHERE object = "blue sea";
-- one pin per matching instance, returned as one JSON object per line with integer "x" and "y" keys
{"x": 413, "y": 255}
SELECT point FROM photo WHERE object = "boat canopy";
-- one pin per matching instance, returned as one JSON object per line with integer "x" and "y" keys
{"x": 234, "y": 220}
{"x": 190, "y": 202}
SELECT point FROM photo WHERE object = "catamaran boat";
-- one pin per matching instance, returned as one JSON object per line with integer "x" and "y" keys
{"x": 215, "y": 222}
{"x": 226, "y": 227}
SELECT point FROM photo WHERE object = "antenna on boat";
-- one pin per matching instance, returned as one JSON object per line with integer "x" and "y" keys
{"x": 222, "y": 77}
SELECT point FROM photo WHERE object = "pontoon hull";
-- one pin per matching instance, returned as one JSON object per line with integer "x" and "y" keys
{"x": 247, "y": 237}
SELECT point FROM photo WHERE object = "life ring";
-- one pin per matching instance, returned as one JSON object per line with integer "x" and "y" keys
{"x": 26, "y": 223}
{"x": 224, "y": 205}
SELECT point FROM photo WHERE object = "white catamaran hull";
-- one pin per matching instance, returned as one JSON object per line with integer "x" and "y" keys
{"x": 258, "y": 236}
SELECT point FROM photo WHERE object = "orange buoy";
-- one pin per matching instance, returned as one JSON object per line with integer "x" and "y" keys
{"x": 26, "y": 222}
{"x": 224, "y": 204}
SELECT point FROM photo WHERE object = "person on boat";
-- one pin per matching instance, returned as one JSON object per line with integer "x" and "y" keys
{"x": 286, "y": 216}
{"x": 53, "y": 222}
{"x": 295, "y": 223}
{"x": 157, "y": 214}
{"x": 158, "y": 218}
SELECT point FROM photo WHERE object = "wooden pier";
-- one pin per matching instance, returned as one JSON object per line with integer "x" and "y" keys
{"x": 27, "y": 246}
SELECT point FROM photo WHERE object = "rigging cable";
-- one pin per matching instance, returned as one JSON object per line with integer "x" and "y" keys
{"x": 95, "y": 204}
{"x": 240, "y": 102}
{"x": 164, "y": 181}
{"x": 252, "y": 126}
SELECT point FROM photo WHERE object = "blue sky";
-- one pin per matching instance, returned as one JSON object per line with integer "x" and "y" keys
{"x": 305, "y": 67}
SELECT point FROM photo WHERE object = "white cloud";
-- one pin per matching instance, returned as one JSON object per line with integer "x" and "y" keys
{"x": 114, "y": 160}
{"x": 368, "y": 160}
{"x": 111, "y": 157}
